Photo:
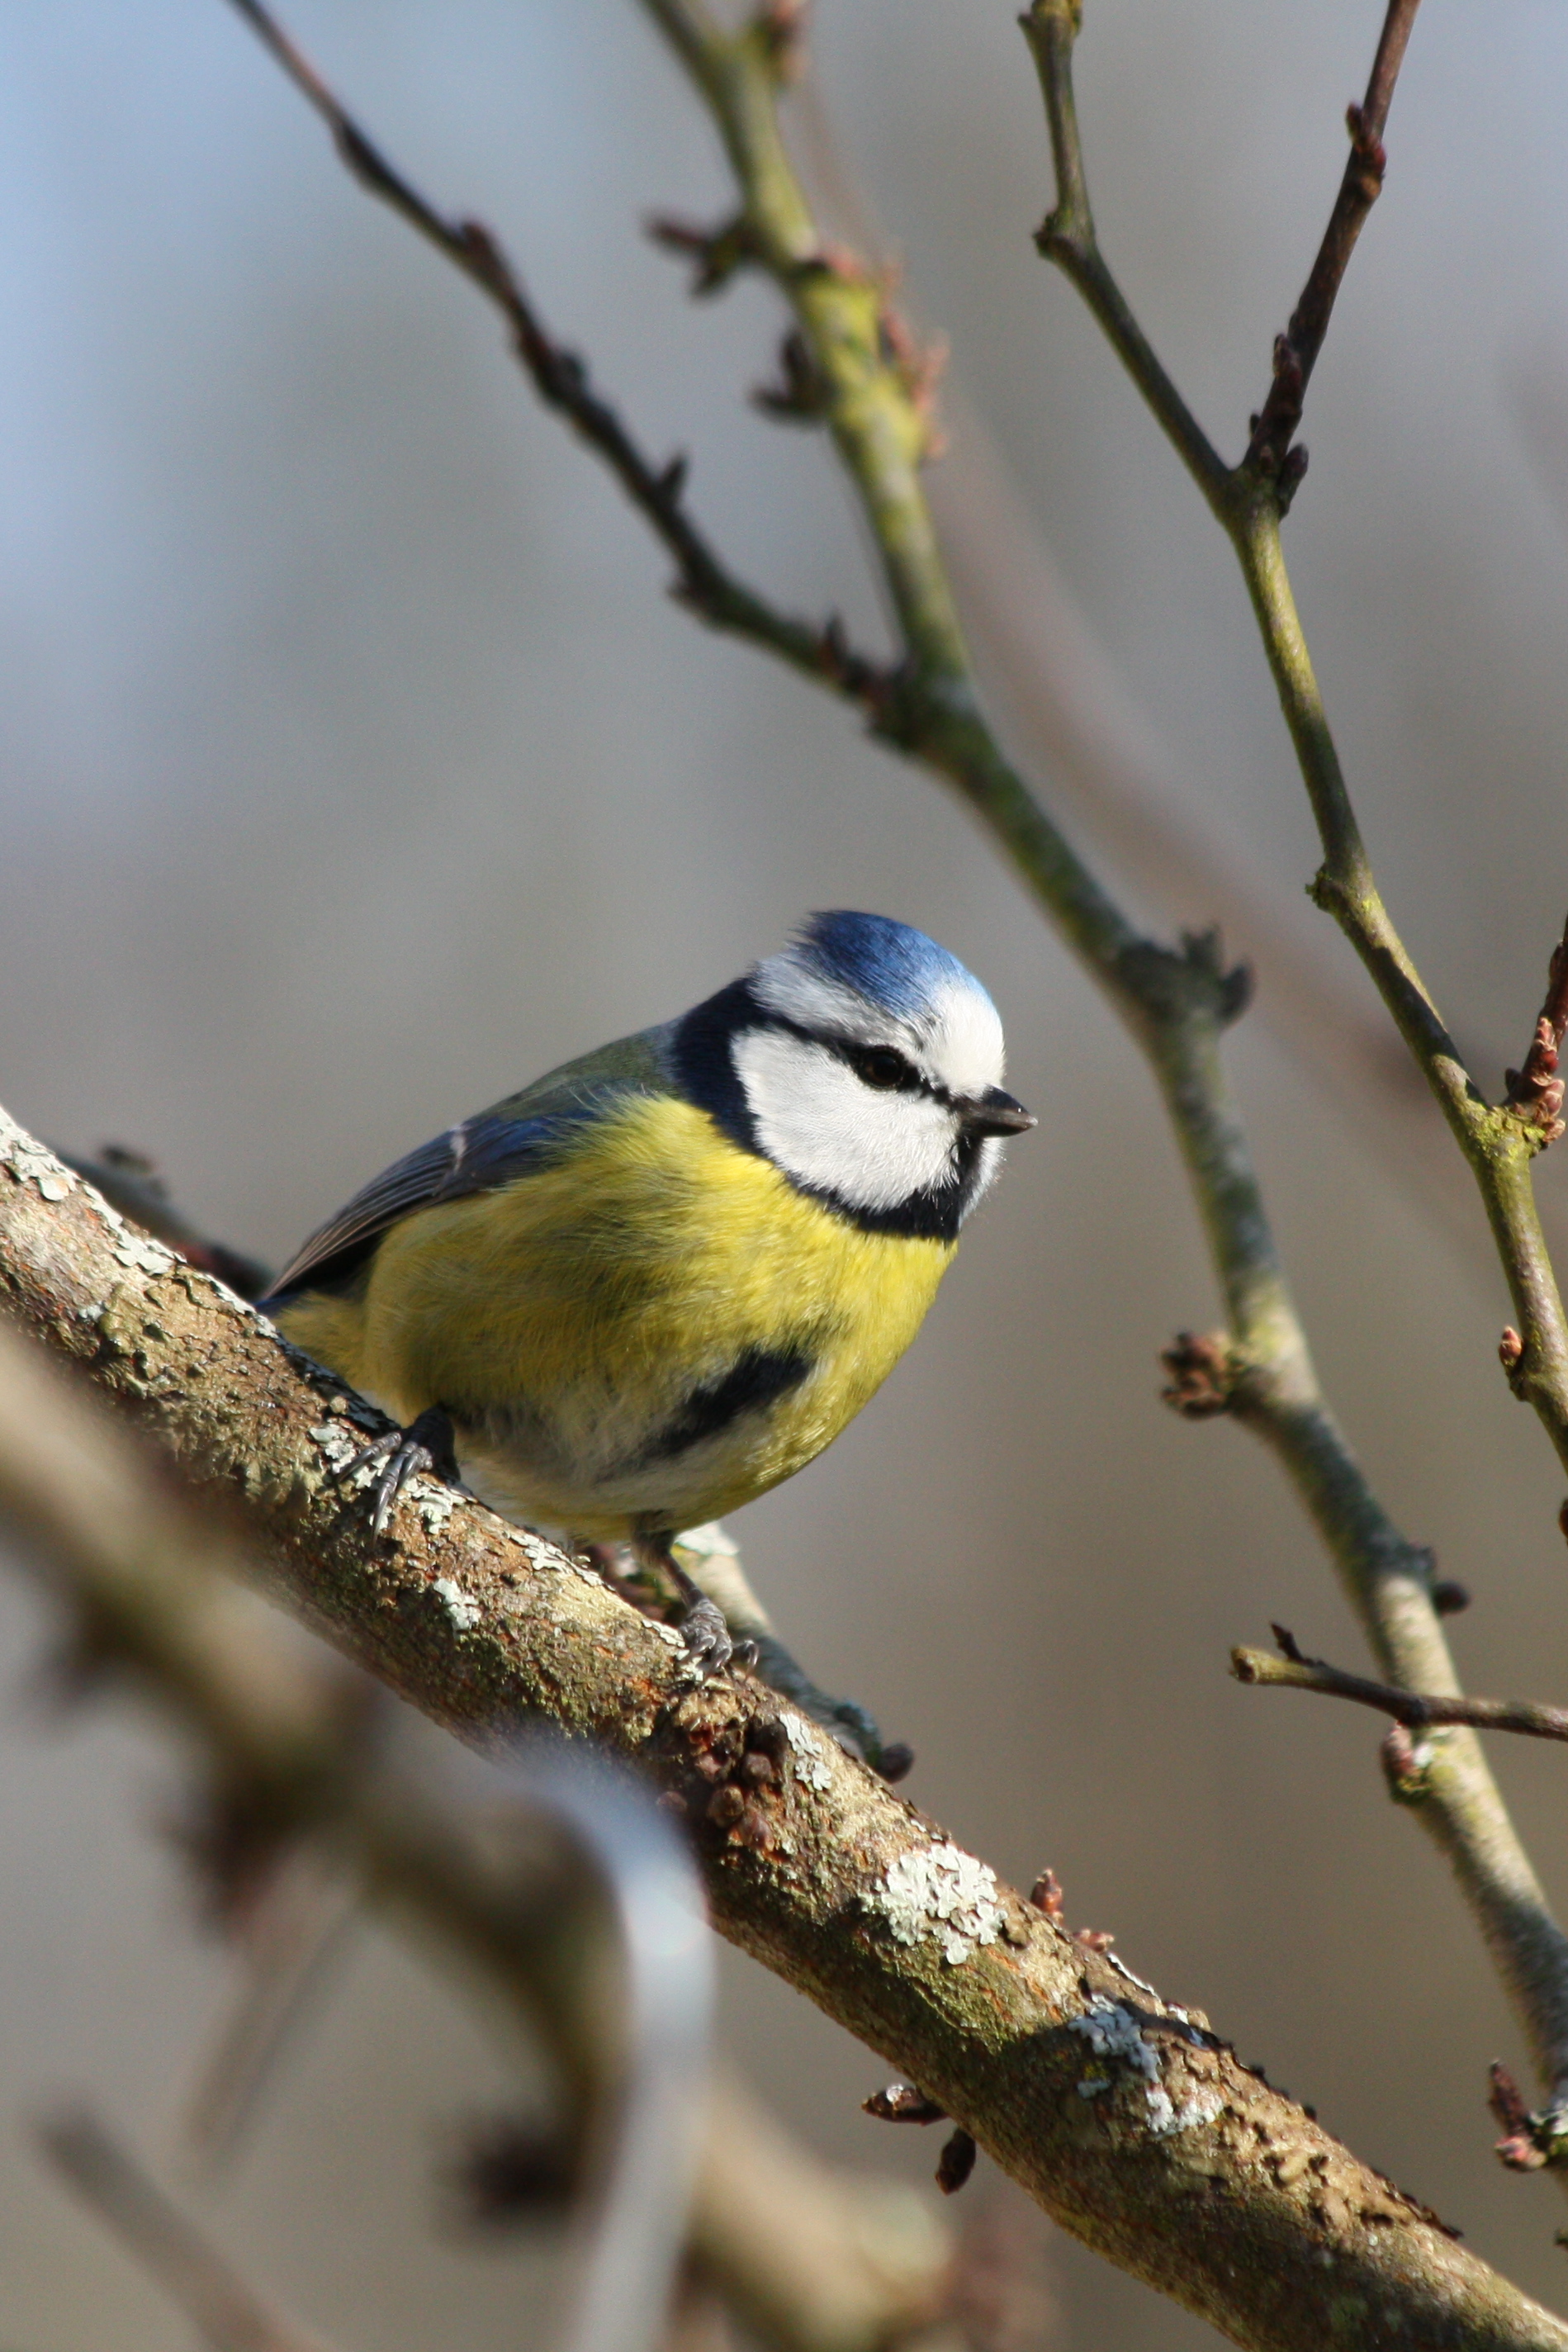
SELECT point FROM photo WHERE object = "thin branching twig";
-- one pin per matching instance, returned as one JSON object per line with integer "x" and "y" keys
{"x": 1460, "y": 1803}
{"x": 1296, "y": 351}
{"x": 562, "y": 380}
{"x": 1418, "y": 1710}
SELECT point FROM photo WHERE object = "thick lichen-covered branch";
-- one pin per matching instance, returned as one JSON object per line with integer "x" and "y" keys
{"x": 1131, "y": 2121}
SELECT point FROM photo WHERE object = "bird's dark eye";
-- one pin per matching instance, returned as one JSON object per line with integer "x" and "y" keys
{"x": 881, "y": 1067}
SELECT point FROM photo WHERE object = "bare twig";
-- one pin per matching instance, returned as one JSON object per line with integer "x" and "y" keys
{"x": 822, "y": 1871}
{"x": 1418, "y": 1710}
{"x": 226, "y": 2311}
{"x": 1177, "y": 1003}
{"x": 1497, "y": 1144}
{"x": 1296, "y": 351}
{"x": 925, "y": 703}
{"x": 563, "y": 382}
{"x": 1072, "y": 707}
{"x": 1067, "y": 237}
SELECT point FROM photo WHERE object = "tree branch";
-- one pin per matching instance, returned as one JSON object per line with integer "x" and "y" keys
{"x": 1296, "y": 351}
{"x": 1498, "y": 1144}
{"x": 1175, "y": 1006}
{"x": 924, "y": 705}
{"x": 227, "y": 2313}
{"x": 1122, "y": 2115}
{"x": 1067, "y": 237}
{"x": 1418, "y": 1711}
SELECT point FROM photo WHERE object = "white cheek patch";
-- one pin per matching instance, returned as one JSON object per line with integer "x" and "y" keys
{"x": 828, "y": 1130}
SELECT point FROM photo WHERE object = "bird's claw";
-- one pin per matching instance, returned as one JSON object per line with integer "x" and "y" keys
{"x": 425, "y": 1446}
{"x": 707, "y": 1637}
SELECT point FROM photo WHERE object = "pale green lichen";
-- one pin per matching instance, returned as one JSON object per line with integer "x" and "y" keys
{"x": 460, "y": 1607}
{"x": 31, "y": 1164}
{"x": 940, "y": 1891}
{"x": 139, "y": 1251}
{"x": 811, "y": 1757}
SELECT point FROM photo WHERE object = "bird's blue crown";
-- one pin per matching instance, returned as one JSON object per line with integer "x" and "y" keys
{"x": 888, "y": 963}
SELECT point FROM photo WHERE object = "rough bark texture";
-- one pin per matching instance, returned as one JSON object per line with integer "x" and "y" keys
{"x": 1135, "y": 2127}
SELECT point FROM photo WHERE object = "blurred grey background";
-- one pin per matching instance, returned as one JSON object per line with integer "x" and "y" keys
{"x": 356, "y": 768}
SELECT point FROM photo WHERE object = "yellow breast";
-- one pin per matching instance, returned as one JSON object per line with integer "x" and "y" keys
{"x": 567, "y": 1321}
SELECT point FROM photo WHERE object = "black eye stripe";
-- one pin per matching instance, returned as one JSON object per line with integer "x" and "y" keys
{"x": 844, "y": 1049}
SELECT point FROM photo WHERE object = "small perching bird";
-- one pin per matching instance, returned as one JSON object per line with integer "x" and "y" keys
{"x": 663, "y": 1279}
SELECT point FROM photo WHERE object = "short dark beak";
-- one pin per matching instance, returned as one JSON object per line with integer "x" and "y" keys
{"x": 997, "y": 1114}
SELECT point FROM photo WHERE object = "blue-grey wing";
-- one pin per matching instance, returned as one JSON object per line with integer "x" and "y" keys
{"x": 478, "y": 1155}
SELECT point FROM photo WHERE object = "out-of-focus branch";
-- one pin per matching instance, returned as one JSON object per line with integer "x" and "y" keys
{"x": 1116, "y": 2111}
{"x": 226, "y": 2311}
{"x": 134, "y": 1568}
{"x": 1296, "y": 351}
{"x": 1418, "y": 1711}
{"x": 809, "y": 2258}
{"x": 298, "y": 1919}
{"x": 1176, "y": 1003}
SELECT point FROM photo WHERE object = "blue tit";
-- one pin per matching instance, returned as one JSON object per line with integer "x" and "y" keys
{"x": 665, "y": 1277}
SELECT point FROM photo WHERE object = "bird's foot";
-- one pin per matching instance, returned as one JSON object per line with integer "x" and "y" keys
{"x": 710, "y": 1646}
{"x": 707, "y": 1637}
{"x": 427, "y": 1444}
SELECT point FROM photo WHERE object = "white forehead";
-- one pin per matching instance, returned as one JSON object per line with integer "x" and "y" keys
{"x": 956, "y": 1037}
